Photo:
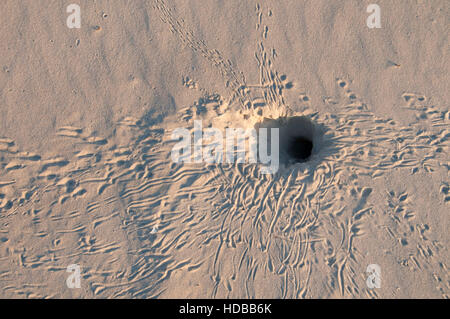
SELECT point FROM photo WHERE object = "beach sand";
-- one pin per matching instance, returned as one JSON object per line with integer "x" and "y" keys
{"x": 86, "y": 176}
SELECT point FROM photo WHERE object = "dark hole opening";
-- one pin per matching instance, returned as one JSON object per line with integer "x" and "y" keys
{"x": 300, "y": 139}
{"x": 300, "y": 148}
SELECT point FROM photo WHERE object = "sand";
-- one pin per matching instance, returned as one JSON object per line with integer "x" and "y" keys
{"x": 86, "y": 176}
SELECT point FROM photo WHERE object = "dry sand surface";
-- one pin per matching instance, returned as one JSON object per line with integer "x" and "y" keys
{"x": 86, "y": 175}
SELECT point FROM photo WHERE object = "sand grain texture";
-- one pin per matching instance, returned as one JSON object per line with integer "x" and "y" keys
{"x": 86, "y": 175}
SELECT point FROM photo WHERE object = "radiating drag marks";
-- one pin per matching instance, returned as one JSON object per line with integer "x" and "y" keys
{"x": 105, "y": 200}
{"x": 280, "y": 220}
